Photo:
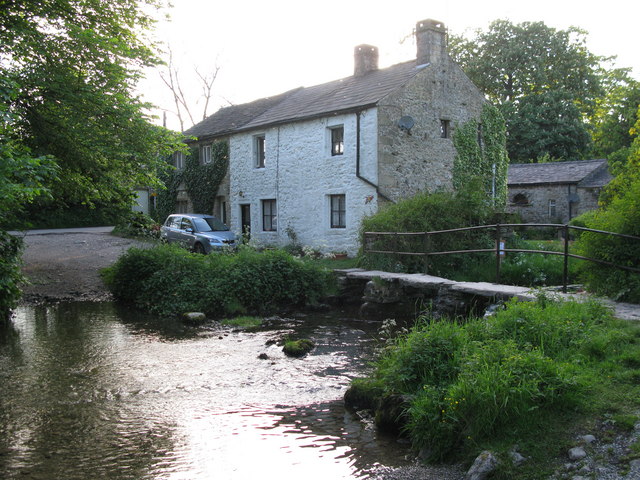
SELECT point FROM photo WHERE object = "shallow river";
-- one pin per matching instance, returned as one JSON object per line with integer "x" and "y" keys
{"x": 88, "y": 390}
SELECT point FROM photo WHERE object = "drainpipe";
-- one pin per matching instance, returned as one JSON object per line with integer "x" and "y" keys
{"x": 365, "y": 180}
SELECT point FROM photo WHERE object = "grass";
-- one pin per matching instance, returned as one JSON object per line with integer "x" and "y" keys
{"x": 536, "y": 374}
{"x": 298, "y": 348}
{"x": 244, "y": 321}
{"x": 333, "y": 263}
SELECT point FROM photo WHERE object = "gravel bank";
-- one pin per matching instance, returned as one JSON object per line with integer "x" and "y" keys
{"x": 65, "y": 265}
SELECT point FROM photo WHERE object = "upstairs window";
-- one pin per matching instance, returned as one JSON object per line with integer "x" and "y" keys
{"x": 269, "y": 216}
{"x": 178, "y": 160}
{"x": 337, "y": 141}
{"x": 206, "y": 154}
{"x": 338, "y": 211}
{"x": 259, "y": 146}
{"x": 445, "y": 128}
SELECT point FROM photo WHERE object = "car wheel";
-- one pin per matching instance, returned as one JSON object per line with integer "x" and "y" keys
{"x": 198, "y": 248}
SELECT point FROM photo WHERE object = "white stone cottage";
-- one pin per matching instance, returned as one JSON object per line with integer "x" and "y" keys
{"x": 314, "y": 161}
{"x": 555, "y": 192}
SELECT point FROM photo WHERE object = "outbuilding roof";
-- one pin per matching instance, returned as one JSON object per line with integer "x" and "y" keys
{"x": 586, "y": 173}
{"x": 303, "y": 103}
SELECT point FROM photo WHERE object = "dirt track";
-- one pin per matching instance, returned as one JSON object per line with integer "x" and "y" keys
{"x": 65, "y": 266}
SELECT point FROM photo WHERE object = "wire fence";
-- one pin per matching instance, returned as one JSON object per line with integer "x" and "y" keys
{"x": 419, "y": 244}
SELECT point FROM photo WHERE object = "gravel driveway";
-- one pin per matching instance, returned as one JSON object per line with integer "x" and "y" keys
{"x": 65, "y": 264}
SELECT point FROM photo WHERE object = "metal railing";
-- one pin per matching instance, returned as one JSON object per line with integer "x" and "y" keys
{"x": 499, "y": 249}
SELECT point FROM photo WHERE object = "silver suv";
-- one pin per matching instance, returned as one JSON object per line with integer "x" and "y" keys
{"x": 198, "y": 232}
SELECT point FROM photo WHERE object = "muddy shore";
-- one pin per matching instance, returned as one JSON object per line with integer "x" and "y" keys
{"x": 65, "y": 265}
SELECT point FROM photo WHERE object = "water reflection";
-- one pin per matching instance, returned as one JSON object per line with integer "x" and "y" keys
{"x": 93, "y": 391}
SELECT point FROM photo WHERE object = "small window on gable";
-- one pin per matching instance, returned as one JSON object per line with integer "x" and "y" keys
{"x": 269, "y": 216}
{"x": 338, "y": 211}
{"x": 259, "y": 147}
{"x": 337, "y": 140}
{"x": 520, "y": 199}
{"x": 206, "y": 154}
{"x": 445, "y": 128}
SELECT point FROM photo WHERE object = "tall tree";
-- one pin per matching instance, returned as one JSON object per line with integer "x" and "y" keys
{"x": 525, "y": 68}
{"x": 75, "y": 64}
{"x": 546, "y": 125}
{"x": 614, "y": 120}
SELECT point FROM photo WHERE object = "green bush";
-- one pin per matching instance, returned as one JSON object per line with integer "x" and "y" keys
{"x": 469, "y": 383}
{"x": 428, "y": 356}
{"x": 498, "y": 383}
{"x": 557, "y": 329}
{"x": 430, "y": 212}
{"x": 168, "y": 280}
{"x": 622, "y": 215}
{"x": 46, "y": 216}
{"x": 10, "y": 274}
{"x": 137, "y": 224}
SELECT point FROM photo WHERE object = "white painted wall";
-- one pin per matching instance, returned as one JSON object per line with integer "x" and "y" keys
{"x": 300, "y": 174}
{"x": 142, "y": 201}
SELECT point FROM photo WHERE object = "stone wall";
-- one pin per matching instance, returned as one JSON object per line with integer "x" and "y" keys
{"x": 537, "y": 210}
{"x": 420, "y": 159}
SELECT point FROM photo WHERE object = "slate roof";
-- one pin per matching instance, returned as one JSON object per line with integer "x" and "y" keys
{"x": 585, "y": 173}
{"x": 303, "y": 103}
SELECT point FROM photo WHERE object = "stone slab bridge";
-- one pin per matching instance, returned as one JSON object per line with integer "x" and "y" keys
{"x": 405, "y": 295}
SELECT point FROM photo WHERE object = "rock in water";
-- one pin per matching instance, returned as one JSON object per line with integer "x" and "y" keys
{"x": 194, "y": 317}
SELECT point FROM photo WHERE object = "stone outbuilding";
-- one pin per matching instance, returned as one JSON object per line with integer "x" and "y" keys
{"x": 310, "y": 163}
{"x": 555, "y": 192}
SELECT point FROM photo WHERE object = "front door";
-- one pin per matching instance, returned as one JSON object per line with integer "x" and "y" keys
{"x": 245, "y": 220}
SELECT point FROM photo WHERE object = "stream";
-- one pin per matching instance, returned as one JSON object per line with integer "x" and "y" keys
{"x": 92, "y": 390}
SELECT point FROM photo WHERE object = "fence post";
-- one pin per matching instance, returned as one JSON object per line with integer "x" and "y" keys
{"x": 396, "y": 249}
{"x": 497, "y": 253}
{"x": 565, "y": 273}
{"x": 425, "y": 250}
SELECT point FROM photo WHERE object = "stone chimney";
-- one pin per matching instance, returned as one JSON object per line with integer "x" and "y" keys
{"x": 365, "y": 59}
{"x": 431, "y": 40}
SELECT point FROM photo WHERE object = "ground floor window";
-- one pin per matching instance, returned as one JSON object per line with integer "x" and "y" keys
{"x": 552, "y": 209}
{"x": 269, "y": 216}
{"x": 338, "y": 211}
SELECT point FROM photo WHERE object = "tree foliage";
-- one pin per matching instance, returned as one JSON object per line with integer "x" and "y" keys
{"x": 620, "y": 213}
{"x": 544, "y": 81}
{"x": 614, "y": 120}
{"x": 22, "y": 176}
{"x": 75, "y": 64}
{"x": 546, "y": 124}
{"x": 510, "y": 61}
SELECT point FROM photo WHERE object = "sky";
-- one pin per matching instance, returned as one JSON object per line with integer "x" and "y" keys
{"x": 264, "y": 48}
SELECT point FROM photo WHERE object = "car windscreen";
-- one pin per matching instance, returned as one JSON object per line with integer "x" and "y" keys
{"x": 209, "y": 224}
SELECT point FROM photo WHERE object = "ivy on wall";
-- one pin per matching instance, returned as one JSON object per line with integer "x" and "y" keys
{"x": 201, "y": 181}
{"x": 482, "y": 154}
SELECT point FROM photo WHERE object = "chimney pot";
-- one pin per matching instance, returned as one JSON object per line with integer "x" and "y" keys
{"x": 431, "y": 41}
{"x": 365, "y": 59}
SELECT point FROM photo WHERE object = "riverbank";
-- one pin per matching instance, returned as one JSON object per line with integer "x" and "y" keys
{"x": 64, "y": 266}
